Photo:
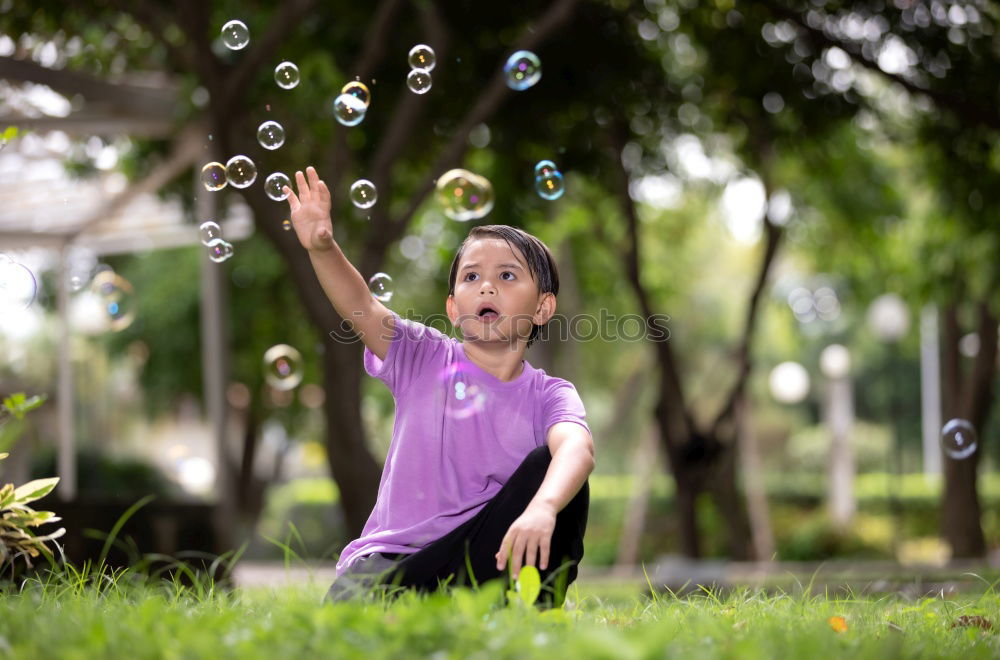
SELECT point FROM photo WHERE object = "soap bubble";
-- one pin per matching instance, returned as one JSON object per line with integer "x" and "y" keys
{"x": 273, "y": 185}
{"x": 543, "y": 167}
{"x": 363, "y": 194}
{"x": 286, "y": 224}
{"x": 522, "y": 70}
{"x": 358, "y": 90}
{"x": 419, "y": 81}
{"x": 18, "y": 287}
{"x": 213, "y": 176}
{"x": 380, "y": 285}
{"x": 116, "y": 296}
{"x": 235, "y": 35}
{"x": 286, "y": 75}
{"x": 219, "y": 250}
{"x": 282, "y": 367}
{"x": 550, "y": 186}
{"x": 271, "y": 135}
{"x": 209, "y": 231}
{"x": 349, "y": 109}
{"x": 422, "y": 57}
{"x": 240, "y": 172}
{"x": 79, "y": 262}
{"x": 463, "y": 195}
{"x": 959, "y": 439}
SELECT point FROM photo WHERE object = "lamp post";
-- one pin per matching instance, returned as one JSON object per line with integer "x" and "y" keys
{"x": 889, "y": 320}
{"x": 835, "y": 363}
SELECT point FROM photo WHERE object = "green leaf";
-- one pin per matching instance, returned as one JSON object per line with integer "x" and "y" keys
{"x": 34, "y": 490}
{"x": 9, "y": 133}
{"x": 529, "y": 584}
{"x": 3, "y": 455}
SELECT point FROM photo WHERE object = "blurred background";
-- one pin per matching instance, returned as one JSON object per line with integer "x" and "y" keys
{"x": 801, "y": 196}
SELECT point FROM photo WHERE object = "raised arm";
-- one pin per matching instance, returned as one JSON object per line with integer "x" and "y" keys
{"x": 341, "y": 281}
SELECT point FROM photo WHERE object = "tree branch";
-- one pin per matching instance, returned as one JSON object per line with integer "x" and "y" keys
{"x": 969, "y": 112}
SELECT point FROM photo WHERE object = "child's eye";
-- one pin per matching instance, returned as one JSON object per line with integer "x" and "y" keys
{"x": 507, "y": 272}
{"x": 468, "y": 275}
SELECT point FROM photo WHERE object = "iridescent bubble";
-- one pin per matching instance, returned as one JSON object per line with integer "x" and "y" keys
{"x": 18, "y": 287}
{"x": 117, "y": 299}
{"x": 219, "y": 250}
{"x": 209, "y": 231}
{"x": 286, "y": 224}
{"x": 271, "y": 135}
{"x": 959, "y": 439}
{"x": 286, "y": 75}
{"x": 522, "y": 70}
{"x": 240, "y": 172}
{"x": 422, "y": 57}
{"x": 358, "y": 90}
{"x": 419, "y": 81}
{"x": 463, "y": 195}
{"x": 273, "y": 185}
{"x": 282, "y": 367}
{"x": 213, "y": 176}
{"x": 380, "y": 285}
{"x": 543, "y": 167}
{"x": 363, "y": 194}
{"x": 349, "y": 109}
{"x": 550, "y": 186}
{"x": 235, "y": 35}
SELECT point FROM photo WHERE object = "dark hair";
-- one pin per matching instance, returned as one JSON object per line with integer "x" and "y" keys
{"x": 541, "y": 265}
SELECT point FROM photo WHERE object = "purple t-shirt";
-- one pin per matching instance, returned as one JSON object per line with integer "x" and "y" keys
{"x": 459, "y": 434}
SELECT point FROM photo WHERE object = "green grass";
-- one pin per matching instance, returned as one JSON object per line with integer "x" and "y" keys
{"x": 70, "y": 613}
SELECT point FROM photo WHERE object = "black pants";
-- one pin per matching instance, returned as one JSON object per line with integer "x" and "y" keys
{"x": 475, "y": 543}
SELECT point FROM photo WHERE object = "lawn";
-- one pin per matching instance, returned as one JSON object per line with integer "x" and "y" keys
{"x": 129, "y": 614}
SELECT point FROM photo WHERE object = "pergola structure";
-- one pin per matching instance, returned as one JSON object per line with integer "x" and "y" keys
{"x": 41, "y": 206}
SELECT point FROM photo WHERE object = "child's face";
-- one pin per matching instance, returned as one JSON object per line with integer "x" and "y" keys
{"x": 493, "y": 274}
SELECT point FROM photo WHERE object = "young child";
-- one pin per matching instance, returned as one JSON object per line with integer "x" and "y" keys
{"x": 489, "y": 459}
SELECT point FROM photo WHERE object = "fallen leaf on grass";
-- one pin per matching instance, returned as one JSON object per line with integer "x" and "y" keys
{"x": 970, "y": 620}
{"x": 838, "y": 624}
{"x": 895, "y": 627}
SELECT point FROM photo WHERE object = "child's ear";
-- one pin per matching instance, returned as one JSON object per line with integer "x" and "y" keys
{"x": 449, "y": 307}
{"x": 546, "y": 309}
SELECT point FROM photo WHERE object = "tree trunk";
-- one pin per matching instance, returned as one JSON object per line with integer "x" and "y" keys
{"x": 971, "y": 399}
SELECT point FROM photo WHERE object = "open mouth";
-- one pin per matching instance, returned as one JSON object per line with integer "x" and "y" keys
{"x": 488, "y": 314}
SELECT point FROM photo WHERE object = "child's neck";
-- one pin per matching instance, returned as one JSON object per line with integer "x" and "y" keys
{"x": 496, "y": 358}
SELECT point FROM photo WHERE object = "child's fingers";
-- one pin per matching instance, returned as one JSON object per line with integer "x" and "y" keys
{"x": 530, "y": 552}
{"x": 543, "y": 560}
{"x": 502, "y": 554}
{"x": 293, "y": 200}
{"x": 324, "y": 192}
{"x": 313, "y": 178}
{"x": 518, "y": 555}
{"x": 300, "y": 181}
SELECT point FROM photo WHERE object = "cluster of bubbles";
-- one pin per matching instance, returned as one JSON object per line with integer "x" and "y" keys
{"x": 363, "y": 194}
{"x": 211, "y": 237}
{"x": 522, "y": 70}
{"x": 235, "y": 35}
{"x": 351, "y": 104}
{"x": 422, "y": 60}
{"x": 282, "y": 367}
{"x": 959, "y": 439}
{"x": 380, "y": 285}
{"x": 463, "y": 195}
{"x": 548, "y": 180}
{"x": 18, "y": 287}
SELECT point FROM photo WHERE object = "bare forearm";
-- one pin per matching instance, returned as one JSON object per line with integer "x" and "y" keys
{"x": 342, "y": 283}
{"x": 568, "y": 470}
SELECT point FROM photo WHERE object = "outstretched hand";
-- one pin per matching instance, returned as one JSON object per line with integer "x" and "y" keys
{"x": 310, "y": 210}
{"x": 530, "y": 536}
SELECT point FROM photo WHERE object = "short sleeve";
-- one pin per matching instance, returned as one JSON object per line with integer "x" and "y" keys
{"x": 562, "y": 403}
{"x": 414, "y": 348}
